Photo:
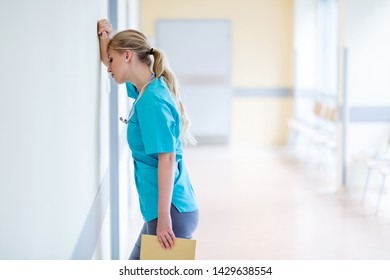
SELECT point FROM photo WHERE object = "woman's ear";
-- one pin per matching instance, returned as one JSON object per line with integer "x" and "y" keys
{"x": 128, "y": 55}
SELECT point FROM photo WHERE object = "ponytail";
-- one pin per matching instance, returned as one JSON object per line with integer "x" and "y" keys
{"x": 160, "y": 68}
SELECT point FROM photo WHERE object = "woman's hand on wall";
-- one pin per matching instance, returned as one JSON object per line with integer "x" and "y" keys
{"x": 104, "y": 32}
{"x": 104, "y": 29}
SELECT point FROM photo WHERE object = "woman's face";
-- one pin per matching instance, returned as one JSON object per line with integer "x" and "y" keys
{"x": 118, "y": 66}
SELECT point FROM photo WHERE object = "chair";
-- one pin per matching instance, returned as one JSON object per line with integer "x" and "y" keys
{"x": 384, "y": 169}
{"x": 373, "y": 160}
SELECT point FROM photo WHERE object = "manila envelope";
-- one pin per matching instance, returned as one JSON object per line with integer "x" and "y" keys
{"x": 151, "y": 249}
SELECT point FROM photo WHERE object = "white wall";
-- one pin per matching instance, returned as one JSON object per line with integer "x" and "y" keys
{"x": 50, "y": 167}
{"x": 305, "y": 43}
{"x": 305, "y": 56}
{"x": 367, "y": 41}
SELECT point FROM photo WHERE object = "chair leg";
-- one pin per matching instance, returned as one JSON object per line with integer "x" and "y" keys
{"x": 366, "y": 185}
{"x": 380, "y": 194}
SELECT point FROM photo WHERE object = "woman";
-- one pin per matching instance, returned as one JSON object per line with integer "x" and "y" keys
{"x": 157, "y": 125}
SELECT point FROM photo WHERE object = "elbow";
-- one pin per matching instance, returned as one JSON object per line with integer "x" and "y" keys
{"x": 167, "y": 157}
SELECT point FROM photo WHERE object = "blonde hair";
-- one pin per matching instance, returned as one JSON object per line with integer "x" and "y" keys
{"x": 138, "y": 43}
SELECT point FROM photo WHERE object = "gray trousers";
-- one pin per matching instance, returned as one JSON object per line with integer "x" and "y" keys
{"x": 183, "y": 225}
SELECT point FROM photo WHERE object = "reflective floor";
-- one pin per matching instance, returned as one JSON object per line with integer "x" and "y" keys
{"x": 262, "y": 204}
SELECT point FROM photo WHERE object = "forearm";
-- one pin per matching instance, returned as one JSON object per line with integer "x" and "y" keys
{"x": 104, "y": 30}
{"x": 103, "y": 44}
{"x": 166, "y": 174}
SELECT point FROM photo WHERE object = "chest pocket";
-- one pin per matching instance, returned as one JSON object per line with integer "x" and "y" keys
{"x": 134, "y": 137}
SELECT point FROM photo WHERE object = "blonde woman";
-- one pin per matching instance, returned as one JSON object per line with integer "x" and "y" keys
{"x": 156, "y": 127}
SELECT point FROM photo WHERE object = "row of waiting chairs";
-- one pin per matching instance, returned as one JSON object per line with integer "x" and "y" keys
{"x": 322, "y": 132}
{"x": 320, "y": 129}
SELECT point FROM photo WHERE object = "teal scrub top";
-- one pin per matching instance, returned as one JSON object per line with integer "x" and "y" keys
{"x": 154, "y": 127}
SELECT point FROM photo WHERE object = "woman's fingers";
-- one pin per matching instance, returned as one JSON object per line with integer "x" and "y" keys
{"x": 100, "y": 26}
{"x": 166, "y": 243}
{"x": 163, "y": 242}
{"x": 167, "y": 240}
{"x": 104, "y": 28}
{"x": 171, "y": 239}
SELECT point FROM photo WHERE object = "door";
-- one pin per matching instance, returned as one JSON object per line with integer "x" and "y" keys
{"x": 199, "y": 53}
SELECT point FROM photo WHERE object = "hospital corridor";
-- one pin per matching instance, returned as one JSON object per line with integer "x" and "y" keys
{"x": 289, "y": 101}
{"x": 261, "y": 204}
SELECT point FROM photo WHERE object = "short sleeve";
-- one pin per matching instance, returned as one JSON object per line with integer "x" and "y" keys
{"x": 132, "y": 91}
{"x": 158, "y": 127}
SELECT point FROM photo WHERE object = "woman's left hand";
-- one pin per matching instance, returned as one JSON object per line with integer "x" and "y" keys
{"x": 164, "y": 232}
{"x": 104, "y": 29}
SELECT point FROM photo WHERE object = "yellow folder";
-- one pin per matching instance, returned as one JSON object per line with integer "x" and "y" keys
{"x": 151, "y": 249}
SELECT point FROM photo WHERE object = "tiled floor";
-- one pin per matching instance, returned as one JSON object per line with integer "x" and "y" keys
{"x": 261, "y": 204}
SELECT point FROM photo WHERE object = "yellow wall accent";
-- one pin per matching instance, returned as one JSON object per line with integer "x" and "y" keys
{"x": 262, "y": 54}
{"x": 260, "y": 120}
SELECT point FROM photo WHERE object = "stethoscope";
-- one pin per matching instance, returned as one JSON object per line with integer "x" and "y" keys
{"x": 126, "y": 121}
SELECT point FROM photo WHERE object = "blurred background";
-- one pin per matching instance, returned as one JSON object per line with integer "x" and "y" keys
{"x": 289, "y": 100}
